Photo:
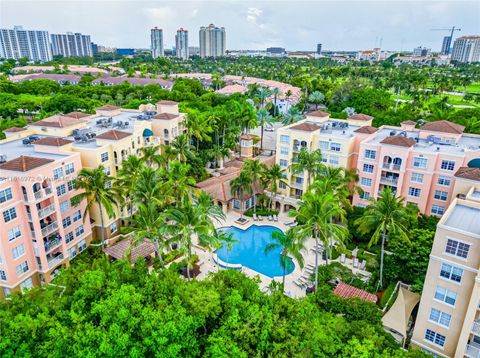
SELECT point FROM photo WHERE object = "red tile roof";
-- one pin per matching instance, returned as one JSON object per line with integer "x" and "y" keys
{"x": 119, "y": 250}
{"x": 408, "y": 122}
{"x": 366, "y": 130}
{"x": 318, "y": 114}
{"x": 346, "y": 291}
{"x": 399, "y": 140}
{"x": 443, "y": 126}
{"x": 306, "y": 127}
{"x": 77, "y": 115}
{"x": 166, "y": 116}
{"x": 58, "y": 121}
{"x": 15, "y": 129}
{"x": 107, "y": 107}
{"x": 25, "y": 163}
{"x": 53, "y": 141}
{"x": 167, "y": 103}
{"x": 248, "y": 137}
{"x": 468, "y": 173}
{"x": 361, "y": 117}
{"x": 113, "y": 135}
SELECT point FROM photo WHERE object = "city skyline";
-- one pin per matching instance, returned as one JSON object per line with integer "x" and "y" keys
{"x": 345, "y": 25}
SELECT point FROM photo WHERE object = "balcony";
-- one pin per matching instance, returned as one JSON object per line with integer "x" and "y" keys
{"x": 49, "y": 245}
{"x": 43, "y": 212}
{"x": 472, "y": 351}
{"x": 49, "y": 228}
{"x": 389, "y": 180}
{"x": 42, "y": 193}
{"x": 476, "y": 327}
{"x": 54, "y": 261}
{"x": 296, "y": 185}
{"x": 395, "y": 167}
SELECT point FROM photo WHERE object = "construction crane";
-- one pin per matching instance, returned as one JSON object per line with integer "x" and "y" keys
{"x": 447, "y": 40}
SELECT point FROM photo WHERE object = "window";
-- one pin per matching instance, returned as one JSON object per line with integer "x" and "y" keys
{"x": 104, "y": 157}
{"x": 113, "y": 227}
{"x": 22, "y": 268}
{"x": 236, "y": 204}
{"x": 443, "y": 180}
{"x": 284, "y": 150}
{"x": 284, "y": 139}
{"x": 440, "y": 317}
{"x": 106, "y": 170}
{"x": 437, "y": 210}
{"x": 61, "y": 190}
{"x": 457, "y": 248}
{"x": 336, "y": 147}
{"x": 282, "y": 185}
{"x": 27, "y": 284}
{"x": 447, "y": 165}
{"x": 66, "y": 222}
{"x": 69, "y": 168}
{"x": 64, "y": 206}
{"x": 283, "y": 163}
{"x": 366, "y": 182}
{"x": 298, "y": 180}
{"x": 82, "y": 245}
{"x": 368, "y": 168}
{"x": 419, "y": 162}
{"x": 57, "y": 173}
{"x": 451, "y": 273}
{"x": 324, "y": 145}
{"x": 5, "y": 195}
{"x": 9, "y": 214}
{"x": 365, "y": 195}
{"x": 77, "y": 215}
{"x": 440, "y": 195}
{"x": 444, "y": 295}
{"x": 3, "y": 275}
{"x": 79, "y": 231}
{"x": 72, "y": 252}
{"x": 417, "y": 178}
{"x": 434, "y": 337}
{"x": 370, "y": 154}
{"x": 414, "y": 192}
{"x": 334, "y": 160}
{"x": 13, "y": 233}
{"x": 18, "y": 251}
{"x": 69, "y": 237}
{"x": 71, "y": 185}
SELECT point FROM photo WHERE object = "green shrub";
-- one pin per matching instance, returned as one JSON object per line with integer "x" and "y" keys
{"x": 386, "y": 294}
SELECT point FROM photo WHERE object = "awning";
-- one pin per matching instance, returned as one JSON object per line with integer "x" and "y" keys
{"x": 147, "y": 132}
{"x": 396, "y": 319}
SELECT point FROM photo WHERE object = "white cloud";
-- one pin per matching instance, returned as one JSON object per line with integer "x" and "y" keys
{"x": 162, "y": 13}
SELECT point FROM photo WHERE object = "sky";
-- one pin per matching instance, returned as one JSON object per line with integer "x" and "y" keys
{"x": 295, "y": 25}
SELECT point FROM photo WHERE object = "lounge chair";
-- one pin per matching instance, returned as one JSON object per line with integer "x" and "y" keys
{"x": 255, "y": 218}
{"x": 363, "y": 264}
{"x": 275, "y": 218}
{"x": 343, "y": 258}
{"x": 270, "y": 218}
{"x": 290, "y": 223}
{"x": 299, "y": 283}
{"x": 355, "y": 262}
{"x": 260, "y": 218}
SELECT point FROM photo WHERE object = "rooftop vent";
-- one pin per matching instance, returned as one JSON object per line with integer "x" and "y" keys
{"x": 3, "y": 158}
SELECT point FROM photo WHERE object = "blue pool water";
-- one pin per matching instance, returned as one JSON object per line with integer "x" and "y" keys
{"x": 249, "y": 251}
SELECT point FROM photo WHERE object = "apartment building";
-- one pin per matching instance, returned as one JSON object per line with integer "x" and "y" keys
{"x": 156, "y": 42}
{"x": 466, "y": 49}
{"x": 71, "y": 45}
{"x": 448, "y": 320}
{"x": 337, "y": 139}
{"x": 18, "y": 43}
{"x": 212, "y": 41}
{"x": 418, "y": 164}
{"x": 38, "y": 165}
{"x": 181, "y": 44}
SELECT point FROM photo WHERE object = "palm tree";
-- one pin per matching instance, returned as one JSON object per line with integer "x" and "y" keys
{"x": 263, "y": 118}
{"x": 262, "y": 94}
{"x": 176, "y": 185}
{"x": 96, "y": 188}
{"x": 276, "y": 92}
{"x": 255, "y": 170}
{"x": 227, "y": 239}
{"x": 311, "y": 162}
{"x": 293, "y": 115}
{"x": 151, "y": 155}
{"x": 239, "y": 186}
{"x": 127, "y": 180}
{"x": 183, "y": 148}
{"x": 316, "y": 97}
{"x": 199, "y": 127}
{"x": 314, "y": 217}
{"x": 387, "y": 215}
{"x": 291, "y": 245}
{"x": 193, "y": 219}
{"x": 273, "y": 177}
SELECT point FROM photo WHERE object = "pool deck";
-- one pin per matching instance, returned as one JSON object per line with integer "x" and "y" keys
{"x": 208, "y": 265}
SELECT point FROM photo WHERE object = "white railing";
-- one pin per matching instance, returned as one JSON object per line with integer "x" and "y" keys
{"x": 55, "y": 261}
{"x": 472, "y": 351}
{"x": 46, "y": 211}
{"x": 29, "y": 216}
{"x": 51, "y": 244}
{"x": 476, "y": 327}
{"x": 391, "y": 166}
{"x": 389, "y": 180}
{"x": 49, "y": 228}
{"x": 42, "y": 193}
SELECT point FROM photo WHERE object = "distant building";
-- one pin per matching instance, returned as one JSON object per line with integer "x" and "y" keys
{"x": 466, "y": 49}
{"x": 193, "y": 50}
{"x": 181, "y": 43}
{"x": 101, "y": 48}
{"x": 94, "y": 48}
{"x": 71, "y": 45}
{"x": 156, "y": 40}
{"x": 276, "y": 51}
{"x": 374, "y": 55}
{"x": 125, "y": 51}
{"x": 421, "y": 60}
{"x": 421, "y": 51}
{"x": 19, "y": 43}
{"x": 447, "y": 40}
{"x": 212, "y": 41}
{"x": 319, "y": 49}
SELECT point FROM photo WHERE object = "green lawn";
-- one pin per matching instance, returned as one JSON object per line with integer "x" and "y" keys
{"x": 473, "y": 88}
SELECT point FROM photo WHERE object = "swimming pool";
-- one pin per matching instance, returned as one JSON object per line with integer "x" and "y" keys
{"x": 249, "y": 251}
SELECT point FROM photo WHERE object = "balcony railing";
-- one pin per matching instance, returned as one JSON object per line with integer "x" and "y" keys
{"x": 476, "y": 327}
{"x": 46, "y": 211}
{"x": 391, "y": 166}
{"x": 55, "y": 261}
{"x": 42, "y": 193}
{"x": 472, "y": 351}
{"x": 49, "y": 228}
{"x": 389, "y": 180}
{"x": 51, "y": 244}
{"x": 29, "y": 216}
